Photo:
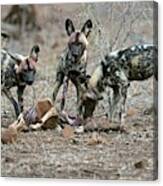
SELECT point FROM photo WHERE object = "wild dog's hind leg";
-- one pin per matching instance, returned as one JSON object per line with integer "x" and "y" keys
{"x": 122, "y": 84}
{"x": 122, "y": 113}
{"x": 65, "y": 88}
{"x": 12, "y": 100}
{"x": 57, "y": 84}
{"x": 109, "y": 94}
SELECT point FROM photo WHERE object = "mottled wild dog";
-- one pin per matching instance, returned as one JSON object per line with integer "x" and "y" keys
{"x": 18, "y": 70}
{"x": 73, "y": 61}
{"x": 136, "y": 63}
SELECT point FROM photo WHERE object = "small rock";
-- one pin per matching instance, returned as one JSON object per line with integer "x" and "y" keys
{"x": 131, "y": 112}
{"x": 96, "y": 139}
{"x": 139, "y": 165}
{"x": 68, "y": 132}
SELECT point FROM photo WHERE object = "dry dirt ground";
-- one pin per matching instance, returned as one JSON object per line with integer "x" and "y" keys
{"x": 115, "y": 155}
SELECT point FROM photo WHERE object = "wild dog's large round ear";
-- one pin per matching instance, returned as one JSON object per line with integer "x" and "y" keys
{"x": 35, "y": 49}
{"x": 69, "y": 27}
{"x": 86, "y": 29}
{"x": 34, "y": 52}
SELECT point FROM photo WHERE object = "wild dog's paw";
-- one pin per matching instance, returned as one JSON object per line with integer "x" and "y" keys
{"x": 79, "y": 129}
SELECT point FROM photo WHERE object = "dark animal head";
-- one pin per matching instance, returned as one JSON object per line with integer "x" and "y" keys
{"x": 26, "y": 69}
{"x": 78, "y": 42}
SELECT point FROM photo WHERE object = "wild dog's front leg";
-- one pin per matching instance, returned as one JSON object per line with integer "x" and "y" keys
{"x": 65, "y": 88}
{"x": 122, "y": 113}
{"x": 79, "y": 91}
{"x": 119, "y": 95}
{"x": 77, "y": 84}
{"x": 79, "y": 102}
{"x": 80, "y": 108}
{"x": 114, "y": 102}
{"x": 20, "y": 92}
{"x": 12, "y": 100}
{"x": 57, "y": 84}
{"x": 109, "y": 98}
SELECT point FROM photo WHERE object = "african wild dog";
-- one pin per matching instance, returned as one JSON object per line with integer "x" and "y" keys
{"x": 17, "y": 70}
{"x": 73, "y": 61}
{"x": 136, "y": 63}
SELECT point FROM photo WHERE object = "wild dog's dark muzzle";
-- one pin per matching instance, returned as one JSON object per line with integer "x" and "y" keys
{"x": 28, "y": 77}
{"x": 77, "y": 49}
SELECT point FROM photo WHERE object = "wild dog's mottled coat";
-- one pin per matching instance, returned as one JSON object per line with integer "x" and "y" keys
{"x": 139, "y": 62}
{"x": 73, "y": 61}
{"x": 119, "y": 68}
{"x": 19, "y": 71}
